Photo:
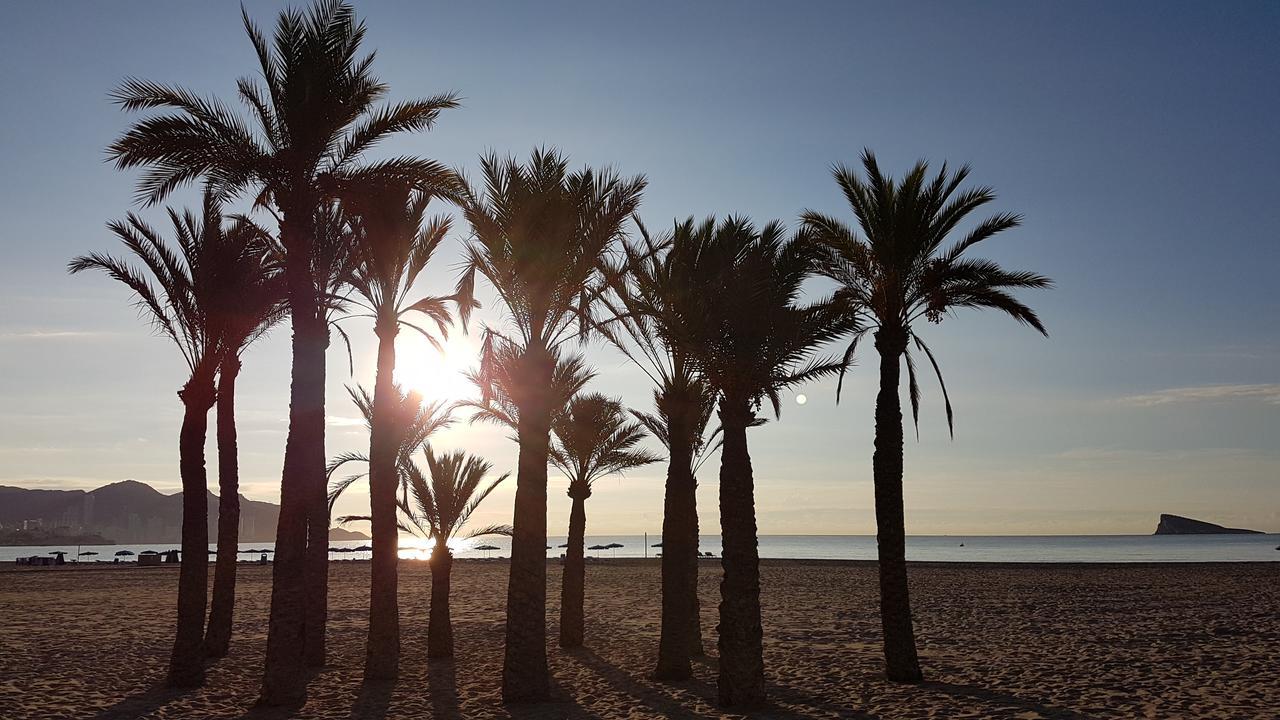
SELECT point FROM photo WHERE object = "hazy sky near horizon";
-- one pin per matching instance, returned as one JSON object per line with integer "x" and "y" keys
{"x": 1138, "y": 139}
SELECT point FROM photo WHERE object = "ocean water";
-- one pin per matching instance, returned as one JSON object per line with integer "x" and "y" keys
{"x": 934, "y": 548}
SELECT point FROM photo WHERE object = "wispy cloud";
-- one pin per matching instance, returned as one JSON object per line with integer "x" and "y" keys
{"x": 1269, "y": 392}
{"x": 54, "y": 335}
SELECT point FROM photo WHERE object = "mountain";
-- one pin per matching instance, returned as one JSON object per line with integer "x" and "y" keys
{"x": 1178, "y": 525}
{"x": 131, "y": 512}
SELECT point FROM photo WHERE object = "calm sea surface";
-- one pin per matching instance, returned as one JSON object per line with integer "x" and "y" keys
{"x": 949, "y": 548}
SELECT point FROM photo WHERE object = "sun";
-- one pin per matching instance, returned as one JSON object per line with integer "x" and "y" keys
{"x": 437, "y": 376}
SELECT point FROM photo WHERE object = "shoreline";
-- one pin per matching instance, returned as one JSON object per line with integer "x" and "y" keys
{"x": 10, "y": 567}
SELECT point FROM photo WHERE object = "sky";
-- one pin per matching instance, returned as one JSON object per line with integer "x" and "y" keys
{"x": 1139, "y": 141}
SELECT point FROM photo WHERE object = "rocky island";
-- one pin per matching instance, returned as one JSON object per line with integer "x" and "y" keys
{"x": 1178, "y": 525}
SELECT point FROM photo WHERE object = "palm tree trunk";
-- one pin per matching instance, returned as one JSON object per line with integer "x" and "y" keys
{"x": 901, "y": 663}
{"x": 681, "y": 634}
{"x": 382, "y": 655}
{"x": 741, "y": 682}
{"x": 573, "y": 581}
{"x": 524, "y": 669}
{"x": 283, "y": 680}
{"x": 186, "y": 664}
{"x": 316, "y": 568}
{"x": 440, "y": 624}
{"x": 217, "y": 637}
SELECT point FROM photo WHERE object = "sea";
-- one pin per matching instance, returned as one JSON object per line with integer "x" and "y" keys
{"x": 930, "y": 548}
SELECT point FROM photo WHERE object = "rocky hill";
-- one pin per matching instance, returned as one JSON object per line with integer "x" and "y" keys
{"x": 129, "y": 512}
{"x": 1178, "y": 525}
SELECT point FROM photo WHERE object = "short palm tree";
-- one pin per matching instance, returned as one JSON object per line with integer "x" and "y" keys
{"x": 894, "y": 274}
{"x": 192, "y": 295}
{"x": 393, "y": 242}
{"x": 750, "y": 339}
{"x": 437, "y": 506}
{"x": 541, "y": 237}
{"x": 646, "y": 293}
{"x": 594, "y": 437}
{"x": 415, "y": 421}
{"x": 310, "y": 126}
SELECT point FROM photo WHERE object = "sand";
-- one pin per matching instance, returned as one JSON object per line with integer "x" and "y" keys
{"x": 1006, "y": 641}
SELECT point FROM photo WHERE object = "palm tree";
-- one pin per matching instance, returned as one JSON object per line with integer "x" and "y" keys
{"x": 750, "y": 339}
{"x": 391, "y": 249}
{"x": 415, "y": 424}
{"x": 891, "y": 276}
{"x": 647, "y": 290}
{"x": 191, "y": 294}
{"x": 259, "y": 305}
{"x": 594, "y": 438}
{"x": 437, "y": 505}
{"x": 541, "y": 237}
{"x": 313, "y": 117}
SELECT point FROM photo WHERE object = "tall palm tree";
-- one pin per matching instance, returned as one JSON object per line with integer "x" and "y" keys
{"x": 190, "y": 293}
{"x": 313, "y": 117}
{"x": 259, "y": 306}
{"x": 436, "y": 507}
{"x": 541, "y": 236}
{"x": 894, "y": 274}
{"x": 594, "y": 438}
{"x": 646, "y": 291}
{"x": 750, "y": 339}
{"x": 393, "y": 242}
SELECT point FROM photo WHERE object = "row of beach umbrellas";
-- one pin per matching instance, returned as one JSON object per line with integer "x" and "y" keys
{"x": 363, "y": 548}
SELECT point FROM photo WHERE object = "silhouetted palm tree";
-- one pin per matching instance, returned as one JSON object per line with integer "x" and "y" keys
{"x": 192, "y": 295}
{"x": 595, "y": 437}
{"x": 647, "y": 290}
{"x": 438, "y": 504}
{"x": 541, "y": 237}
{"x": 415, "y": 424}
{"x": 393, "y": 242}
{"x": 750, "y": 339}
{"x": 893, "y": 275}
{"x": 259, "y": 305}
{"x": 311, "y": 124}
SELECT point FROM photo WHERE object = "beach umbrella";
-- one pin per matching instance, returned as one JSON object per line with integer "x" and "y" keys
{"x": 123, "y": 553}
{"x": 148, "y": 552}
{"x": 487, "y": 548}
{"x": 362, "y": 548}
{"x": 88, "y": 552}
{"x": 656, "y": 545}
{"x": 564, "y": 545}
{"x": 57, "y": 552}
{"x": 614, "y": 547}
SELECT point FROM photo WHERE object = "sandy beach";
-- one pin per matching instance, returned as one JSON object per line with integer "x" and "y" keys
{"x": 997, "y": 641}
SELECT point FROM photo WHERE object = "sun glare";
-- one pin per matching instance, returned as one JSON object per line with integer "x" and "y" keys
{"x": 412, "y": 547}
{"x": 437, "y": 376}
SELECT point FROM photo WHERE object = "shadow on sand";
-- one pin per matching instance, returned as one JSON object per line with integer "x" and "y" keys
{"x": 140, "y": 703}
{"x": 994, "y": 697}
{"x": 654, "y": 698}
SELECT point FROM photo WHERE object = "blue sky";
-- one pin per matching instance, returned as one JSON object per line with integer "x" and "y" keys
{"x": 1139, "y": 140}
